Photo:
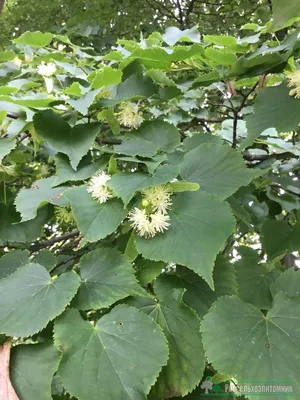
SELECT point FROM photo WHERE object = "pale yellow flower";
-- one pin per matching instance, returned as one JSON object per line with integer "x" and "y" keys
{"x": 46, "y": 69}
{"x": 141, "y": 223}
{"x": 160, "y": 222}
{"x": 159, "y": 198}
{"x": 294, "y": 83}
{"x": 129, "y": 115}
{"x": 98, "y": 189}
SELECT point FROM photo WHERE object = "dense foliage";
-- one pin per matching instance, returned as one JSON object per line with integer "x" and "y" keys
{"x": 111, "y": 20}
{"x": 150, "y": 223}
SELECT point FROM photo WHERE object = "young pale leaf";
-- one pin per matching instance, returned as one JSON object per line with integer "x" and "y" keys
{"x": 74, "y": 142}
{"x": 198, "y": 294}
{"x": 174, "y": 34}
{"x": 181, "y": 326}
{"x": 95, "y": 221}
{"x": 240, "y": 341}
{"x": 200, "y": 224}
{"x": 31, "y": 299}
{"x": 29, "y": 200}
{"x": 11, "y": 261}
{"x": 181, "y": 186}
{"x": 34, "y": 39}
{"x": 107, "y": 276}
{"x": 119, "y": 358}
{"x": 125, "y": 184}
{"x": 217, "y": 168}
{"x": 31, "y": 369}
{"x": 106, "y": 77}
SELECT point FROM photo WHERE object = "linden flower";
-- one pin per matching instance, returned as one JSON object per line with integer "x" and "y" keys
{"x": 294, "y": 83}
{"x": 46, "y": 69}
{"x": 160, "y": 222}
{"x": 129, "y": 115}
{"x": 159, "y": 197}
{"x": 141, "y": 223}
{"x": 97, "y": 187}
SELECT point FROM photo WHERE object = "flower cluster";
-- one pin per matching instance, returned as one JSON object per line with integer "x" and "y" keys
{"x": 46, "y": 70}
{"x": 129, "y": 115}
{"x": 294, "y": 83}
{"x": 153, "y": 217}
{"x": 98, "y": 189}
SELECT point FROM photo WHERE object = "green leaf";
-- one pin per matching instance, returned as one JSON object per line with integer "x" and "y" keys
{"x": 29, "y": 200}
{"x": 181, "y": 186}
{"x": 11, "y": 261}
{"x": 134, "y": 87}
{"x": 107, "y": 277}
{"x": 83, "y": 103}
{"x": 6, "y": 146}
{"x": 236, "y": 335}
{"x": 254, "y": 279}
{"x": 95, "y": 221}
{"x": 85, "y": 169}
{"x": 119, "y": 358}
{"x": 130, "y": 251}
{"x": 198, "y": 294}
{"x": 147, "y": 270}
{"x": 34, "y": 39}
{"x": 271, "y": 107}
{"x": 220, "y": 40}
{"x": 164, "y": 135}
{"x": 196, "y": 140}
{"x": 219, "y": 57}
{"x": 46, "y": 258}
{"x": 173, "y": 35}
{"x": 200, "y": 224}
{"x": 126, "y": 184}
{"x": 7, "y": 55}
{"x": 31, "y": 369}
{"x": 136, "y": 146}
{"x": 106, "y": 77}
{"x": 31, "y": 299}
{"x": 108, "y": 115}
{"x": 278, "y": 237}
{"x": 181, "y": 327}
{"x": 13, "y": 231}
{"x": 288, "y": 283}
{"x": 74, "y": 142}
{"x": 217, "y": 168}
{"x": 283, "y": 11}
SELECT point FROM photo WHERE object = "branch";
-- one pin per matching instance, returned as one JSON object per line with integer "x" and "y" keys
{"x": 262, "y": 157}
{"x": 76, "y": 257}
{"x": 47, "y": 243}
{"x": 1, "y": 5}
{"x": 234, "y": 131}
{"x": 102, "y": 141}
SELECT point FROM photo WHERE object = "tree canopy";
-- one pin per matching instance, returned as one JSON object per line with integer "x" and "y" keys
{"x": 149, "y": 202}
